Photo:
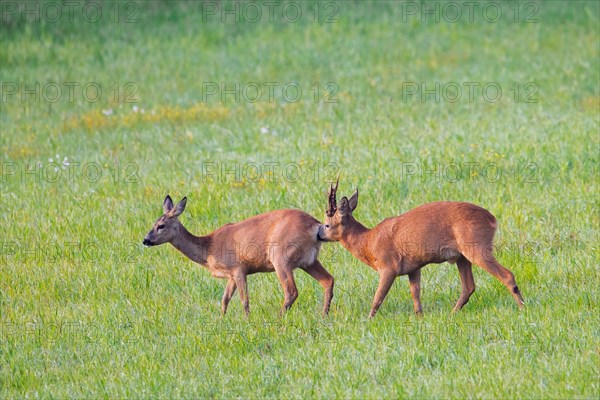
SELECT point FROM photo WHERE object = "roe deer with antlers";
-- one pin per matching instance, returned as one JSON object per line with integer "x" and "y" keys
{"x": 277, "y": 241}
{"x": 460, "y": 233}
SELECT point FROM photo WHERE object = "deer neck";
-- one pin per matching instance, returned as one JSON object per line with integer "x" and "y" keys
{"x": 355, "y": 239}
{"x": 193, "y": 247}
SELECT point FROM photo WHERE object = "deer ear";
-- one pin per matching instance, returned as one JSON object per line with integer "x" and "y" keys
{"x": 167, "y": 204}
{"x": 353, "y": 200}
{"x": 344, "y": 207}
{"x": 179, "y": 208}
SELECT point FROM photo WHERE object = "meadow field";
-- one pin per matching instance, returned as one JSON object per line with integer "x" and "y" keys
{"x": 247, "y": 107}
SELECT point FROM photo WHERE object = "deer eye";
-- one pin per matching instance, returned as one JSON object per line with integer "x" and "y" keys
{"x": 326, "y": 226}
{"x": 161, "y": 226}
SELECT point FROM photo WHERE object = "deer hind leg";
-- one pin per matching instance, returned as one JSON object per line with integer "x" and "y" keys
{"x": 414, "y": 279}
{"x": 290, "y": 292}
{"x": 484, "y": 258}
{"x": 228, "y": 294}
{"x": 468, "y": 283}
{"x": 386, "y": 279}
{"x": 242, "y": 285}
{"x": 317, "y": 271}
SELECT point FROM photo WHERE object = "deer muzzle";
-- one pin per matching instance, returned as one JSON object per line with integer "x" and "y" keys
{"x": 321, "y": 235}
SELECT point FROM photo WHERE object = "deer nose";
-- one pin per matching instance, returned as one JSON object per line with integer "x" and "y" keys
{"x": 146, "y": 242}
{"x": 320, "y": 235}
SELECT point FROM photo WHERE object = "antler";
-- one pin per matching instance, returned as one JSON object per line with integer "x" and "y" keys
{"x": 332, "y": 201}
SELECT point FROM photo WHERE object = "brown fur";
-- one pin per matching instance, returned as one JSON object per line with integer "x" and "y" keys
{"x": 460, "y": 233}
{"x": 277, "y": 241}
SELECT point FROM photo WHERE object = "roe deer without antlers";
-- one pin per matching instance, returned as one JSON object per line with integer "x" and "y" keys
{"x": 277, "y": 241}
{"x": 460, "y": 233}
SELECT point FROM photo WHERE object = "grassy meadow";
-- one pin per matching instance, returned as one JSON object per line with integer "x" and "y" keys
{"x": 246, "y": 109}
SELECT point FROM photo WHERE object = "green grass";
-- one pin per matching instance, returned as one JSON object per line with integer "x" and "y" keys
{"x": 86, "y": 311}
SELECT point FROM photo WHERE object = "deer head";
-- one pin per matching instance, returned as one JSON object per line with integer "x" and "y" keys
{"x": 167, "y": 227}
{"x": 337, "y": 217}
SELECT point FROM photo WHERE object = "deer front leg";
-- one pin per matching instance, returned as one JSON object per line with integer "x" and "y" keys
{"x": 228, "y": 294}
{"x": 241, "y": 283}
{"x": 414, "y": 278}
{"x": 386, "y": 279}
